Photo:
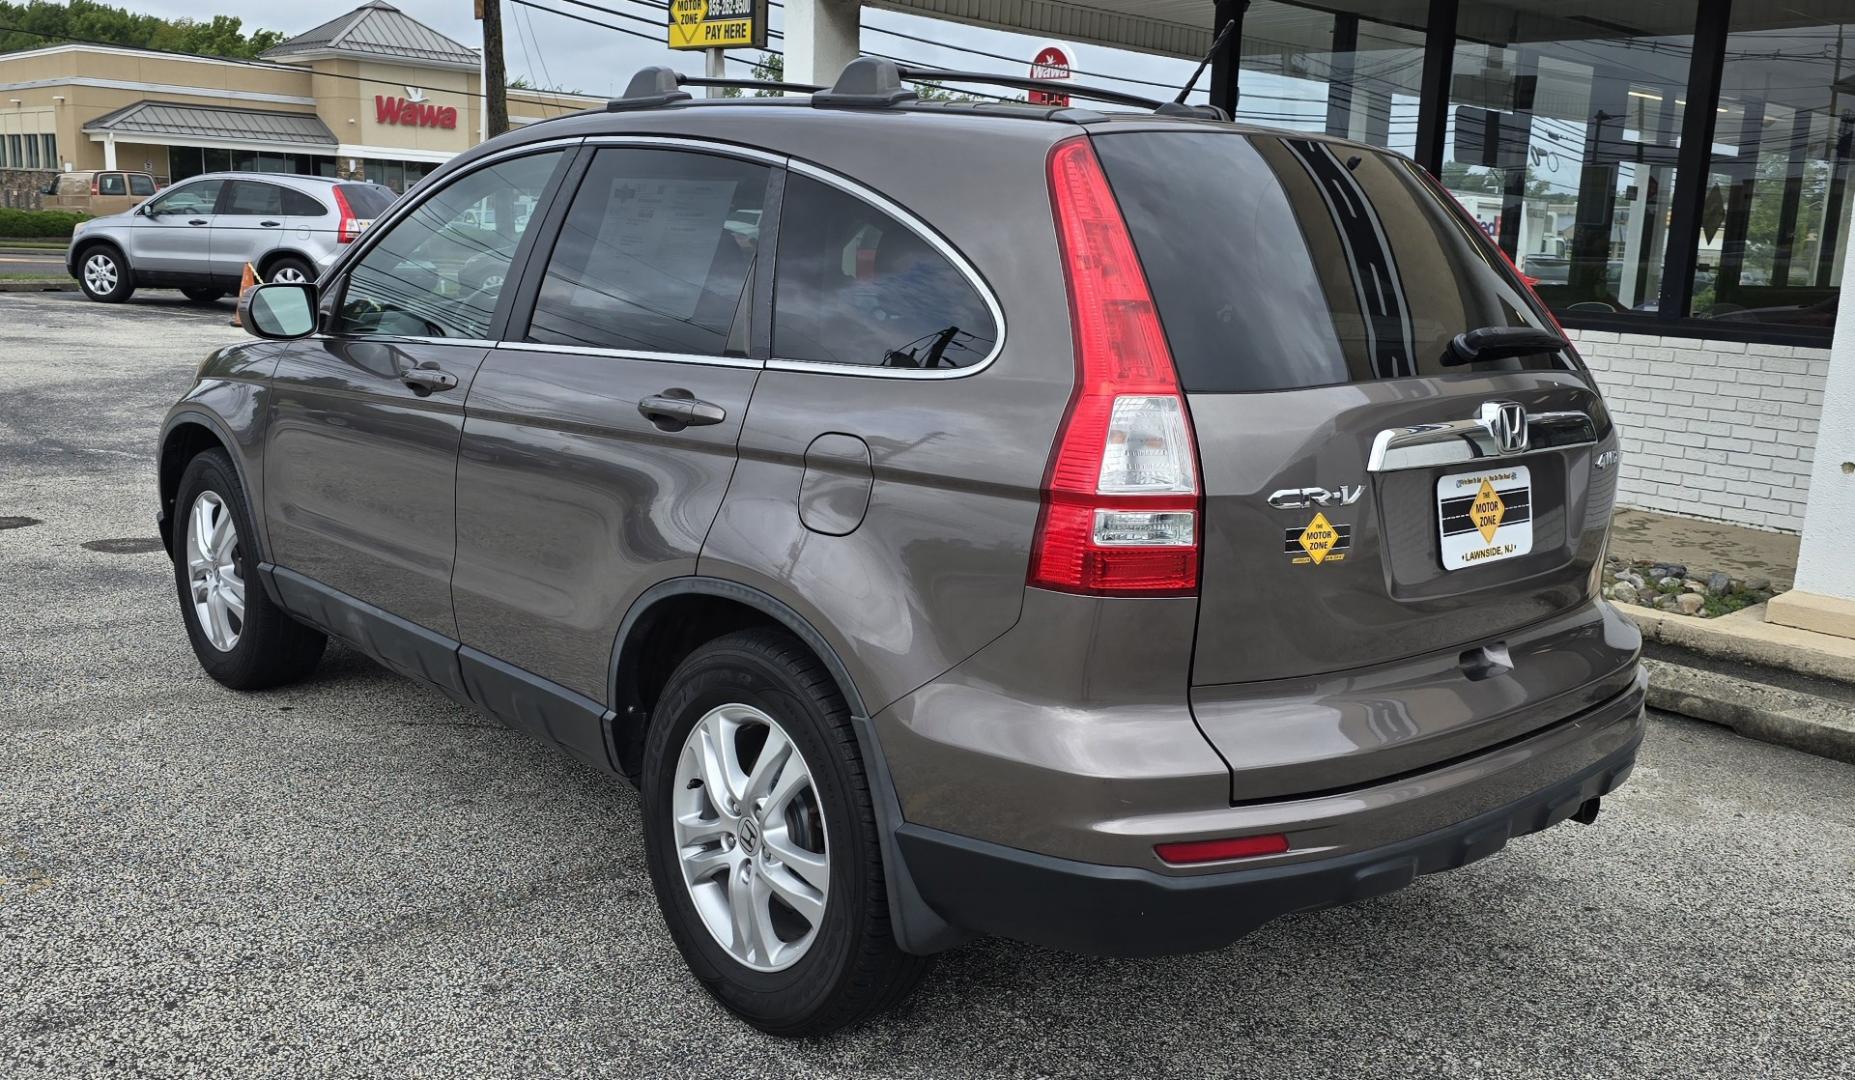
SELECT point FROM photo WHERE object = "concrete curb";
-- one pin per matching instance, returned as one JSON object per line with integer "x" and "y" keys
{"x": 38, "y": 286}
{"x": 1774, "y": 714}
{"x": 1745, "y": 637}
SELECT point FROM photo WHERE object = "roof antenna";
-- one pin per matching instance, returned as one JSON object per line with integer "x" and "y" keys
{"x": 1216, "y": 44}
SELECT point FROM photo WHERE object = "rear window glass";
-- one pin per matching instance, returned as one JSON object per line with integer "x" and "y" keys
{"x": 1280, "y": 262}
{"x": 298, "y": 204}
{"x": 366, "y": 200}
{"x": 112, "y": 183}
{"x": 141, "y": 184}
{"x": 856, "y": 286}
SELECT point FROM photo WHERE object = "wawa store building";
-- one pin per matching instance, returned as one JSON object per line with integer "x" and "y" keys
{"x": 373, "y": 94}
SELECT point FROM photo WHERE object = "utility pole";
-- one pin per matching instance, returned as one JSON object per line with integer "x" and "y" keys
{"x": 495, "y": 79}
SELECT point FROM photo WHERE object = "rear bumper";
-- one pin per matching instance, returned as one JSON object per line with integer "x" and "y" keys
{"x": 987, "y": 888}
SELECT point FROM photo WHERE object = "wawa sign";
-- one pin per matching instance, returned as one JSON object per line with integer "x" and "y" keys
{"x": 413, "y": 111}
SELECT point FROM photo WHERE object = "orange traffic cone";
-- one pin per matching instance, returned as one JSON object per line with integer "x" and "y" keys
{"x": 245, "y": 282}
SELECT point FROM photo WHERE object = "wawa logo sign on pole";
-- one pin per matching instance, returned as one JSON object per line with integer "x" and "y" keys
{"x": 413, "y": 111}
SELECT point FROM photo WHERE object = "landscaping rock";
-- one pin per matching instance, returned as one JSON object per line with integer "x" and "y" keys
{"x": 1719, "y": 583}
{"x": 1624, "y": 593}
{"x": 1690, "y": 603}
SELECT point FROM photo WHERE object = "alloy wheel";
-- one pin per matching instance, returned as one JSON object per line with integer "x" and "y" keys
{"x": 100, "y": 273}
{"x": 750, "y": 837}
{"x": 289, "y": 275}
{"x": 214, "y": 572}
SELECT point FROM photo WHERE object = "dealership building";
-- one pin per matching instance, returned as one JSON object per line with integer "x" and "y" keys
{"x": 371, "y": 94}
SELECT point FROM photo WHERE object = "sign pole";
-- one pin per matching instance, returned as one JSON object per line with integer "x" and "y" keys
{"x": 717, "y": 68}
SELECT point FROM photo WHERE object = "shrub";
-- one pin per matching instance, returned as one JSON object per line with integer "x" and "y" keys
{"x": 39, "y": 224}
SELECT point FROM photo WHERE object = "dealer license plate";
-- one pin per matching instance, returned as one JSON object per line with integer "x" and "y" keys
{"x": 1485, "y": 516}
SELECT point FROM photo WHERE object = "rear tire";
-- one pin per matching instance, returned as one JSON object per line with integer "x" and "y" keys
{"x": 821, "y": 972}
{"x": 202, "y": 296}
{"x": 290, "y": 268}
{"x": 104, "y": 275}
{"x": 242, "y": 639}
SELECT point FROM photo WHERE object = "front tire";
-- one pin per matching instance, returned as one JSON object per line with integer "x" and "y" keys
{"x": 242, "y": 639}
{"x": 104, "y": 275}
{"x": 763, "y": 842}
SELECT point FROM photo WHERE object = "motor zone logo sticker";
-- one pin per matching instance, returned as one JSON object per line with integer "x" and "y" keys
{"x": 413, "y": 112}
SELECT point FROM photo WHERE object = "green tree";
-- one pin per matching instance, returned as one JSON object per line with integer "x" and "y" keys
{"x": 41, "y": 23}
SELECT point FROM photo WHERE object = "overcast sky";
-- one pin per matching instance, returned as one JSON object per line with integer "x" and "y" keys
{"x": 597, "y": 61}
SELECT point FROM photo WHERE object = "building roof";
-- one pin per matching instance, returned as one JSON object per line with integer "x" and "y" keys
{"x": 377, "y": 31}
{"x": 167, "y": 119}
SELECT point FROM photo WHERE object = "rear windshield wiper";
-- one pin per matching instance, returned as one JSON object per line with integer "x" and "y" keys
{"x": 1499, "y": 343}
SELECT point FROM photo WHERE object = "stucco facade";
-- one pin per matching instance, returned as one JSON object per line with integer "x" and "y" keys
{"x": 413, "y": 109}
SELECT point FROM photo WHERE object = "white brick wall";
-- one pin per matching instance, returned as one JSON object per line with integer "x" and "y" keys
{"x": 1712, "y": 429}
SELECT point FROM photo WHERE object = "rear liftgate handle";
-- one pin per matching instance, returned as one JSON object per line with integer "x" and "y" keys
{"x": 677, "y": 408}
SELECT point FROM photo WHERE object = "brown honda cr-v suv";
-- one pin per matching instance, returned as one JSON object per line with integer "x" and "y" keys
{"x": 1109, "y": 530}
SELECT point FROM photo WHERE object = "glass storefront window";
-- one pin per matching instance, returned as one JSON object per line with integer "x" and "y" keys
{"x": 1561, "y": 140}
{"x": 1774, "y": 217}
{"x": 1351, "y": 69}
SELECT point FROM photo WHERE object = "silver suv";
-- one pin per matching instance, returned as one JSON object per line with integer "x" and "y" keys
{"x": 198, "y": 235}
{"x": 1109, "y": 531}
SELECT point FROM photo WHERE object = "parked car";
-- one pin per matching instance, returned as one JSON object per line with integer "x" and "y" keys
{"x": 198, "y": 235}
{"x": 1126, "y": 531}
{"x": 98, "y": 192}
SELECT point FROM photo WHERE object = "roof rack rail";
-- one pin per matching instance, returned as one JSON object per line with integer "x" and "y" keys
{"x": 654, "y": 87}
{"x": 1090, "y": 93}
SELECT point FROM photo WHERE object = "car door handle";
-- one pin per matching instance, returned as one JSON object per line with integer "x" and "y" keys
{"x": 677, "y": 408}
{"x": 197, "y": 221}
{"x": 427, "y": 378}
{"x": 270, "y": 224}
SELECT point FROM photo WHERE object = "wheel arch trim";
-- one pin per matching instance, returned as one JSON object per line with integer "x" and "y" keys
{"x": 918, "y": 928}
{"x": 198, "y": 417}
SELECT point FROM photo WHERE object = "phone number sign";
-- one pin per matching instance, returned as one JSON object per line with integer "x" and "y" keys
{"x": 718, "y": 24}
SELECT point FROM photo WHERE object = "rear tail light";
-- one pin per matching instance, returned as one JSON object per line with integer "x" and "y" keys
{"x": 1235, "y": 847}
{"x": 93, "y": 184}
{"x": 1120, "y": 499}
{"x": 350, "y": 226}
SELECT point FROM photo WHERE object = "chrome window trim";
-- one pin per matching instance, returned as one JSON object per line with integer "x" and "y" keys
{"x": 629, "y": 354}
{"x": 1456, "y": 442}
{"x": 934, "y": 240}
{"x": 680, "y": 142}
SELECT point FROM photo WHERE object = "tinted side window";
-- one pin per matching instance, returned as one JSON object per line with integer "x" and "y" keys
{"x": 439, "y": 271}
{"x": 297, "y": 204}
{"x": 191, "y": 199}
{"x": 856, "y": 286}
{"x": 654, "y": 253}
{"x": 248, "y": 199}
{"x": 112, "y": 183}
{"x": 141, "y": 184}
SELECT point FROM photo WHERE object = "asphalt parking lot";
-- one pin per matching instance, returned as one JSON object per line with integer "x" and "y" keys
{"x": 355, "y": 877}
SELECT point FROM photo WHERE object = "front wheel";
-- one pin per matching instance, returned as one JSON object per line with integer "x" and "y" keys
{"x": 241, "y": 638}
{"x": 763, "y": 843}
{"x": 104, "y": 275}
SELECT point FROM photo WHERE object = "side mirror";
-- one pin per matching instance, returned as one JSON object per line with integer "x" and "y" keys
{"x": 280, "y": 310}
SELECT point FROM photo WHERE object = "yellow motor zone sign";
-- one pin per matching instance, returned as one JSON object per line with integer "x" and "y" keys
{"x": 718, "y": 24}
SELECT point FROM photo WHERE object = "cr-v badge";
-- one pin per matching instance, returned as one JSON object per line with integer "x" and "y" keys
{"x": 1301, "y": 498}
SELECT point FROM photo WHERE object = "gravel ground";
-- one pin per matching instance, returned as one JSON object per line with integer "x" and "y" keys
{"x": 356, "y": 877}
